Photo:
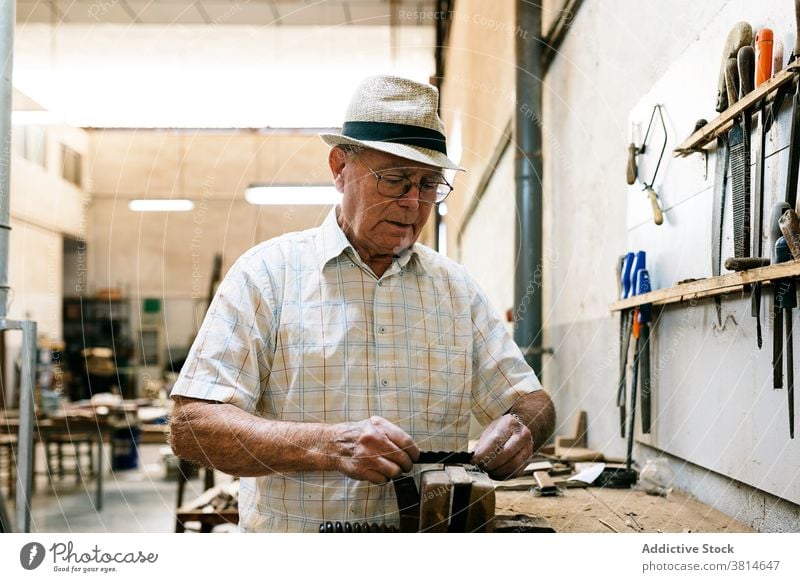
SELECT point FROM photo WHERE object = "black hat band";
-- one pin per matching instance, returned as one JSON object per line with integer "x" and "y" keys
{"x": 401, "y": 133}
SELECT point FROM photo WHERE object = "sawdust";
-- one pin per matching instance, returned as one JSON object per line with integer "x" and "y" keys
{"x": 580, "y": 510}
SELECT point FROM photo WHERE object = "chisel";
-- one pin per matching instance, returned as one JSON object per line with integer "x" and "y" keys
{"x": 626, "y": 322}
{"x": 777, "y": 321}
{"x": 786, "y": 300}
{"x": 645, "y": 317}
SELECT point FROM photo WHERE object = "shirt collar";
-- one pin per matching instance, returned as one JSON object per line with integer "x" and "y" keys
{"x": 334, "y": 242}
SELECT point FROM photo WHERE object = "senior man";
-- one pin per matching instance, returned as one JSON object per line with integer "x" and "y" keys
{"x": 329, "y": 358}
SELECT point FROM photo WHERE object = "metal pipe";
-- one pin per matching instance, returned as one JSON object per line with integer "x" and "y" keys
{"x": 528, "y": 180}
{"x": 28, "y": 379}
{"x": 25, "y": 435}
{"x": 7, "y": 21}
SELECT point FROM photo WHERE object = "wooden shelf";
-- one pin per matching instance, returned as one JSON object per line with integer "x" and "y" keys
{"x": 710, "y": 287}
{"x": 695, "y": 142}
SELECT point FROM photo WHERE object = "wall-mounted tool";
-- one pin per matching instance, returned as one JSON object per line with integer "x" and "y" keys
{"x": 739, "y": 142}
{"x": 764, "y": 44}
{"x": 633, "y": 151}
{"x": 785, "y": 301}
{"x": 624, "y": 268}
{"x": 740, "y": 35}
{"x": 633, "y": 170}
{"x": 633, "y": 266}
{"x": 645, "y": 317}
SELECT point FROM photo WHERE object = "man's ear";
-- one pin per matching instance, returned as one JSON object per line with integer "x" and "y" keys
{"x": 337, "y": 160}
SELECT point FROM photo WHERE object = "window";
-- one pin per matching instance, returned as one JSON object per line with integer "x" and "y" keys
{"x": 71, "y": 162}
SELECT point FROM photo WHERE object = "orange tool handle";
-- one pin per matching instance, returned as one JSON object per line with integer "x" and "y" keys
{"x": 764, "y": 40}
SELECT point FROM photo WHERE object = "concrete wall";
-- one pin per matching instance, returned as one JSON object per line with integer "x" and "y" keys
{"x": 611, "y": 64}
{"x": 44, "y": 208}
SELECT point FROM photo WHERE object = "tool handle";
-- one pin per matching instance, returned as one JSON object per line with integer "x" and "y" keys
{"x": 658, "y": 215}
{"x": 777, "y": 56}
{"x": 746, "y": 63}
{"x": 774, "y": 225}
{"x": 627, "y": 266}
{"x": 633, "y": 151}
{"x": 732, "y": 80}
{"x": 796, "y": 29}
{"x": 764, "y": 44}
{"x": 745, "y": 263}
{"x": 790, "y": 227}
{"x": 642, "y": 287}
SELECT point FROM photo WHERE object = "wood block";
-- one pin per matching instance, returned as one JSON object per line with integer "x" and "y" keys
{"x": 436, "y": 490}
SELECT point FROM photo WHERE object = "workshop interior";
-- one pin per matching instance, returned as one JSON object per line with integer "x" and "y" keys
{"x": 629, "y": 207}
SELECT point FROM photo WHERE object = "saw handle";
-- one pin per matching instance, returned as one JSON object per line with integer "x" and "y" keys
{"x": 764, "y": 44}
{"x": 658, "y": 215}
{"x": 633, "y": 151}
{"x": 746, "y": 62}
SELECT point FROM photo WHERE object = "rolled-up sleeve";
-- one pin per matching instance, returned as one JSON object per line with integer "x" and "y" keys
{"x": 231, "y": 357}
{"x": 500, "y": 373}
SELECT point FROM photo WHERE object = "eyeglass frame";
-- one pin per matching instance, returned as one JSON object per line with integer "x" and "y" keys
{"x": 411, "y": 183}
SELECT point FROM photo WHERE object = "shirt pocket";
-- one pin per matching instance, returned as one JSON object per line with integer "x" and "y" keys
{"x": 440, "y": 380}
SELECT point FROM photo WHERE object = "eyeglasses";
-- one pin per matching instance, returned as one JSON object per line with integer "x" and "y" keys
{"x": 396, "y": 186}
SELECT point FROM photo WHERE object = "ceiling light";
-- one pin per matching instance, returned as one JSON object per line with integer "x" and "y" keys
{"x": 161, "y": 205}
{"x": 291, "y": 195}
{"x": 36, "y": 117}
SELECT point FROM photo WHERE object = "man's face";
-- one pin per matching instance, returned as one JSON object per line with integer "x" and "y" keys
{"x": 377, "y": 224}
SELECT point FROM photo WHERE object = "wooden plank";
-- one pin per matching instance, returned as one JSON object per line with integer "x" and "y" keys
{"x": 710, "y": 287}
{"x": 723, "y": 122}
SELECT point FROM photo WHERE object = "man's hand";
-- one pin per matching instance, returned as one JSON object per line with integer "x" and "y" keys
{"x": 374, "y": 450}
{"x": 504, "y": 447}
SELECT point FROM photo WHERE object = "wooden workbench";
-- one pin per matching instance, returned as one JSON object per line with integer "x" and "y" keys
{"x": 581, "y": 510}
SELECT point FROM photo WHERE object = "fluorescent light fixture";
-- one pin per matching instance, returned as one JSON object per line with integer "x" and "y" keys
{"x": 262, "y": 194}
{"x": 161, "y": 205}
{"x": 36, "y": 117}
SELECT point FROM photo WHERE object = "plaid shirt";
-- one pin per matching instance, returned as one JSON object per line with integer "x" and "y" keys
{"x": 302, "y": 330}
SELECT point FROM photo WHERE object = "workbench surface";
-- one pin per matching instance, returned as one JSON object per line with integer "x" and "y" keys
{"x": 580, "y": 510}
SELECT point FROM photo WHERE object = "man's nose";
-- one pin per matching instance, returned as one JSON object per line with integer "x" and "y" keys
{"x": 412, "y": 195}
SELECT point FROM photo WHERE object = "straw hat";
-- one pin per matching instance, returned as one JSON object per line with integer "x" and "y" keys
{"x": 397, "y": 116}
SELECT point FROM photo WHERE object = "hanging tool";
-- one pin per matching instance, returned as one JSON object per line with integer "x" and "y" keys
{"x": 763, "y": 73}
{"x": 785, "y": 301}
{"x": 777, "y": 57}
{"x": 777, "y": 321}
{"x": 764, "y": 43}
{"x": 640, "y": 337}
{"x": 633, "y": 151}
{"x": 739, "y": 141}
{"x": 634, "y": 264}
{"x": 645, "y": 317}
{"x": 626, "y": 322}
{"x": 740, "y": 35}
{"x": 658, "y": 215}
{"x": 790, "y": 228}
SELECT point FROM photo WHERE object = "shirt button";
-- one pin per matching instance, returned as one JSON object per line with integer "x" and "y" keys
{"x": 385, "y": 382}
{"x": 382, "y": 329}
{"x": 380, "y": 283}
{"x": 352, "y": 264}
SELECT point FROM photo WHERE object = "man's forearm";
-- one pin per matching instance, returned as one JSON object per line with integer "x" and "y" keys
{"x": 536, "y": 410}
{"x": 239, "y": 443}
